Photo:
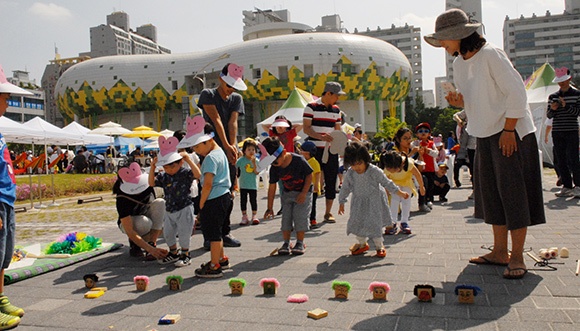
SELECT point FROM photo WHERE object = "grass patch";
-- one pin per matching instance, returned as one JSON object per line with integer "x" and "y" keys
{"x": 65, "y": 185}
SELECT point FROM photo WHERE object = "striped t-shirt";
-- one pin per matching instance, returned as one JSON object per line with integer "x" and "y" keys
{"x": 324, "y": 119}
{"x": 565, "y": 118}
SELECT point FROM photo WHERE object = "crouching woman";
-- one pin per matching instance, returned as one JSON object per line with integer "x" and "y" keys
{"x": 140, "y": 213}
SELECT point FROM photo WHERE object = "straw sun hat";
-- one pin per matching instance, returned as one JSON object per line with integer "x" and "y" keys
{"x": 451, "y": 25}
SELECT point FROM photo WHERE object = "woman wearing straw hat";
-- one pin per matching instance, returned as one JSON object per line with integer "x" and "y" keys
{"x": 507, "y": 179}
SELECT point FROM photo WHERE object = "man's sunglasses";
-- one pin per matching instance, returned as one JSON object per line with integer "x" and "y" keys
{"x": 423, "y": 131}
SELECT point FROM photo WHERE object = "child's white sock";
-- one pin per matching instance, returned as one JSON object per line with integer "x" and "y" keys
{"x": 378, "y": 241}
{"x": 361, "y": 240}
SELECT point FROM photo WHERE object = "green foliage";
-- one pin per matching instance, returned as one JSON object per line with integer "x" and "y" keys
{"x": 387, "y": 128}
{"x": 445, "y": 122}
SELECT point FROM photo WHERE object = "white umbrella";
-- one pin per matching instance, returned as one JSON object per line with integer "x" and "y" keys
{"x": 155, "y": 144}
{"x": 110, "y": 129}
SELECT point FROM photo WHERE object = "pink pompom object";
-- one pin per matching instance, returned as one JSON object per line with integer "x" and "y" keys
{"x": 373, "y": 285}
{"x": 144, "y": 278}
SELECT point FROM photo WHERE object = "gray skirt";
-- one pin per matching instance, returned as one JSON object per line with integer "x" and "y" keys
{"x": 508, "y": 190}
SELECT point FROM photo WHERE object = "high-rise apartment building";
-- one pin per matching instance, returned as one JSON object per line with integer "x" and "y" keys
{"x": 408, "y": 40}
{"x": 554, "y": 38}
{"x": 473, "y": 10}
{"x": 114, "y": 38}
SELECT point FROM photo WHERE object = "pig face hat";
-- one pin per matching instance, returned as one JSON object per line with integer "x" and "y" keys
{"x": 133, "y": 180}
{"x": 232, "y": 74}
{"x": 168, "y": 151}
{"x": 195, "y": 133}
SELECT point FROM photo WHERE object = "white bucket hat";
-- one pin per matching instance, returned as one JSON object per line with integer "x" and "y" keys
{"x": 233, "y": 74}
{"x": 562, "y": 75}
{"x": 133, "y": 180}
{"x": 168, "y": 151}
{"x": 7, "y": 87}
{"x": 451, "y": 25}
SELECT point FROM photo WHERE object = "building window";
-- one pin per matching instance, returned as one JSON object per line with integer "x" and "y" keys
{"x": 308, "y": 70}
{"x": 145, "y": 66}
{"x": 283, "y": 72}
{"x": 336, "y": 68}
{"x": 296, "y": 58}
{"x": 257, "y": 73}
{"x": 174, "y": 85}
{"x": 115, "y": 77}
{"x": 354, "y": 69}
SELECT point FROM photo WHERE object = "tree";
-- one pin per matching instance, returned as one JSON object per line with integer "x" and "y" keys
{"x": 445, "y": 122}
{"x": 387, "y": 128}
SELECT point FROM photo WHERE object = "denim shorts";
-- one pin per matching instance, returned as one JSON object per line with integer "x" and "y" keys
{"x": 7, "y": 234}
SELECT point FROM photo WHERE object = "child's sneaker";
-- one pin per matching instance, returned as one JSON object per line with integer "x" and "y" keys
{"x": 391, "y": 230}
{"x": 255, "y": 220}
{"x": 285, "y": 249}
{"x": 206, "y": 271}
{"x": 225, "y": 263}
{"x": 313, "y": 224}
{"x": 357, "y": 249}
{"x": 245, "y": 221}
{"x": 8, "y": 321}
{"x": 381, "y": 252}
{"x": 9, "y": 309}
{"x": 405, "y": 228}
{"x": 170, "y": 258}
{"x": 298, "y": 248}
{"x": 184, "y": 260}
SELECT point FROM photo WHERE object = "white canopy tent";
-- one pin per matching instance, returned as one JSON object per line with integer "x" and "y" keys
{"x": 110, "y": 129}
{"x": 15, "y": 132}
{"x": 86, "y": 136}
{"x": 51, "y": 134}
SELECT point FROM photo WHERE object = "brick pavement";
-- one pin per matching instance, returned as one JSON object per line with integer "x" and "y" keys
{"x": 436, "y": 253}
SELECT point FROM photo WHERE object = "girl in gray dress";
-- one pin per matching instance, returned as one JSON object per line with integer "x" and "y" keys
{"x": 369, "y": 209}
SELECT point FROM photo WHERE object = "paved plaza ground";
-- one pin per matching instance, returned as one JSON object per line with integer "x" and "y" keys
{"x": 436, "y": 253}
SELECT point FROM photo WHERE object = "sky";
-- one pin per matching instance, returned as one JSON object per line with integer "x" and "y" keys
{"x": 32, "y": 29}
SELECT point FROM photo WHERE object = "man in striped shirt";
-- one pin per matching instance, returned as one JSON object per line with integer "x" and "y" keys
{"x": 564, "y": 108}
{"x": 320, "y": 118}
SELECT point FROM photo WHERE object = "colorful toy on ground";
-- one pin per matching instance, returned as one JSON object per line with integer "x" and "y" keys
{"x": 237, "y": 285}
{"x": 341, "y": 289}
{"x": 174, "y": 282}
{"x": 270, "y": 285}
{"x": 379, "y": 290}
{"x": 141, "y": 282}
{"x": 95, "y": 293}
{"x": 424, "y": 292}
{"x": 466, "y": 293}
{"x": 317, "y": 313}
{"x": 73, "y": 243}
{"x": 169, "y": 319}
{"x": 90, "y": 280}
{"x": 297, "y": 298}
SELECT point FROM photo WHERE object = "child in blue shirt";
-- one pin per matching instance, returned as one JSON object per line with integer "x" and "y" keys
{"x": 216, "y": 200}
{"x": 248, "y": 174}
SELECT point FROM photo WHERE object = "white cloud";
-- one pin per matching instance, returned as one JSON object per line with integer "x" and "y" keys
{"x": 49, "y": 11}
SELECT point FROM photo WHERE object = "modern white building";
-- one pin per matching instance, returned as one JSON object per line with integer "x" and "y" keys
{"x": 24, "y": 108}
{"x": 268, "y": 23}
{"x": 554, "y": 38}
{"x": 473, "y": 10}
{"x": 114, "y": 38}
{"x": 158, "y": 88}
{"x": 408, "y": 40}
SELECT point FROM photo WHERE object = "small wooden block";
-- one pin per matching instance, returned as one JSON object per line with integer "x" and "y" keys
{"x": 94, "y": 294}
{"x": 317, "y": 313}
{"x": 169, "y": 319}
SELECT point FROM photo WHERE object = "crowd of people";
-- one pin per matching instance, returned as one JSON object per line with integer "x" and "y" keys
{"x": 218, "y": 168}
{"x": 201, "y": 170}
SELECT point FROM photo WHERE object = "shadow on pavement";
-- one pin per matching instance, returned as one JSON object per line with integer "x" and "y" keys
{"x": 446, "y": 313}
{"x": 328, "y": 271}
